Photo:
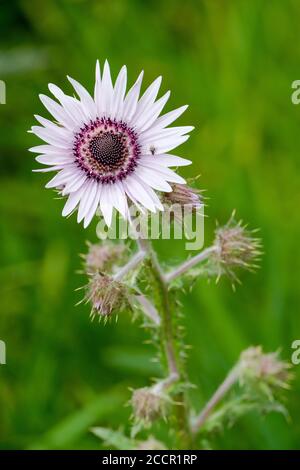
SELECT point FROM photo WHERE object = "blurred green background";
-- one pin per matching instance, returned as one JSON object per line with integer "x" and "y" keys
{"x": 233, "y": 62}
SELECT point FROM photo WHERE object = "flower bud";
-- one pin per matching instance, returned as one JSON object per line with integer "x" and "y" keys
{"x": 183, "y": 195}
{"x": 258, "y": 367}
{"x": 107, "y": 295}
{"x": 102, "y": 257}
{"x": 148, "y": 405}
{"x": 235, "y": 248}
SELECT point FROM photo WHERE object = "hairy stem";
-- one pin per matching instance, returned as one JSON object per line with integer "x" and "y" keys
{"x": 190, "y": 263}
{"x": 168, "y": 340}
{"x": 148, "y": 309}
{"x": 221, "y": 391}
{"x": 132, "y": 263}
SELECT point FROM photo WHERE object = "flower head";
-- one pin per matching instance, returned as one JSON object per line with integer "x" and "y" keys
{"x": 110, "y": 148}
{"x": 184, "y": 195}
{"x": 259, "y": 367}
{"x": 107, "y": 296}
{"x": 148, "y": 405}
{"x": 235, "y": 248}
{"x": 101, "y": 257}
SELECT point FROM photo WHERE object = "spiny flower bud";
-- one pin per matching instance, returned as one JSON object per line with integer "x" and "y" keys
{"x": 256, "y": 366}
{"x": 235, "y": 248}
{"x": 183, "y": 195}
{"x": 148, "y": 405}
{"x": 102, "y": 257}
{"x": 107, "y": 295}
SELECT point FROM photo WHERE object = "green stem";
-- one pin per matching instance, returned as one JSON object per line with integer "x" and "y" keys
{"x": 174, "y": 364}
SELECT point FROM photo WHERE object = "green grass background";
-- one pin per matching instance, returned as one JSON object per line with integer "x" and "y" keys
{"x": 233, "y": 62}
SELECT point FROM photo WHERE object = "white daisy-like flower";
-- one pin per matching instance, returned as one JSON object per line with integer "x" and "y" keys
{"x": 112, "y": 148}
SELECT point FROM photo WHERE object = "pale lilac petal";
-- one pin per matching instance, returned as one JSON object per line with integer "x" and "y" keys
{"x": 93, "y": 207}
{"x": 98, "y": 90}
{"x": 146, "y": 119}
{"x": 118, "y": 198}
{"x": 72, "y": 106}
{"x": 153, "y": 196}
{"x": 131, "y": 100}
{"x": 147, "y": 99}
{"x": 163, "y": 145}
{"x": 134, "y": 187}
{"x": 168, "y": 118}
{"x": 58, "y": 130}
{"x": 86, "y": 100}
{"x": 119, "y": 93}
{"x": 54, "y": 159}
{"x": 106, "y": 206}
{"x": 107, "y": 90}
{"x": 73, "y": 200}
{"x": 74, "y": 183}
{"x": 58, "y": 112}
{"x": 169, "y": 175}
{"x": 153, "y": 179}
{"x": 150, "y": 135}
{"x": 53, "y": 138}
{"x": 47, "y": 149}
{"x": 87, "y": 200}
{"x": 165, "y": 160}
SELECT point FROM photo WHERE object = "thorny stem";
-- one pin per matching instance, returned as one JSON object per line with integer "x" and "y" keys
{"x": 168, "y": 340}
{"x": 221, "y": 391}
{"x": 148, "y": 309}
{"x": 132, "y": 263}
{"x": 190, "y": 263}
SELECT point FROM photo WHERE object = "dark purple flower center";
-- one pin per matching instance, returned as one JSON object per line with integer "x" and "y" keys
{"x": 106, "y": 150}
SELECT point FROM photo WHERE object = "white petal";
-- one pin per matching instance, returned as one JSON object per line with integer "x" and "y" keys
{"x": 58, "y": 130}
{"x": 93, "y": 207}
{"x": 72, "y": 106}
{"x": 106, "y": 205}
{"x": 98, "y": 89}
{"x": 169, "y": 175}
{"x": 57, "y": 180}
{"x": 49, "y": 149}
{"x": 107, "y": 90}
{"x": 150, "y": 193}
{"x": 87, "y": 200}
{"x": 73, "y": 200}
{"x": 46, "y": 170}
{"x": 75, "y": 183}
{"x": 118, "y": 198}
{"x": 119, "y": 93}
{"x": 59, "y": 159}
{"x": 153, "y": 179}
{"x": 53, "y": 138}
{"x": 130, "y": 195}
{"x": 163, "y": 145}
{"x": 150, "y": 135}
{"x": 147, "y": 99}
{"x": 133, "y": 187}
{"x": 57, "y": 111}
{"x": 152, "y": 113}
{"x": 165, "y": 160}
{"x": 168, "y": 118}
{"x": 87, "y": 101}
{"x": 131, "y": 100}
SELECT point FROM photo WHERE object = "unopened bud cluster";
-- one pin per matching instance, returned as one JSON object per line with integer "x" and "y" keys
{"x": 257, "y": 366}
{"x": 106, "y": 295}
{"x": 102, "y": 257}
{"x": 148, "y": 405}
{"x": 235, "y": 248}
{"x": 184, "y": 196}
